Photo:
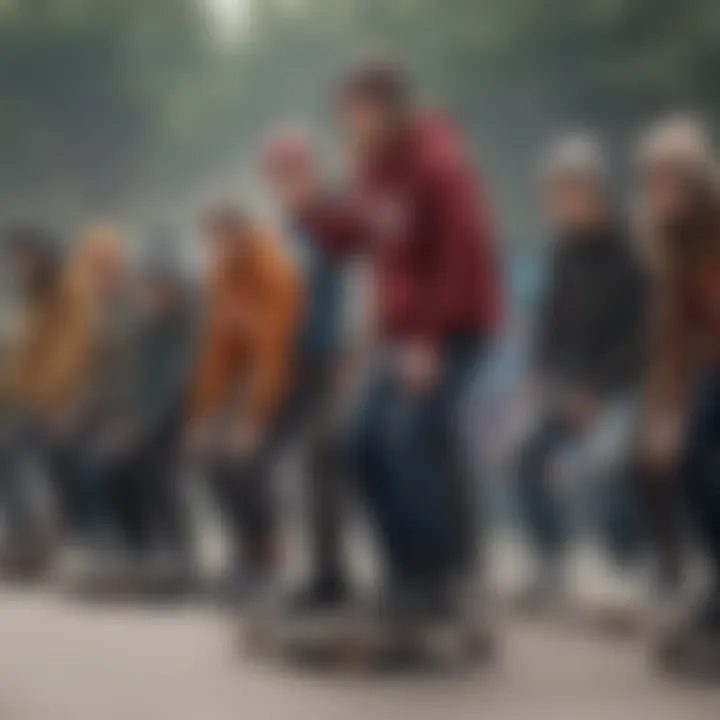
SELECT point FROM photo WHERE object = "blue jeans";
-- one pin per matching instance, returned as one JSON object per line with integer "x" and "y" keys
{"x": 602, "y": 485}
{"x": 700, "y": 470}
{"x": 413, "y": 472}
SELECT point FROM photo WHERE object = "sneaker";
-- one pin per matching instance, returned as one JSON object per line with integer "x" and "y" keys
{"x": 321, "y": 595}
{"x": 545, "y": 593}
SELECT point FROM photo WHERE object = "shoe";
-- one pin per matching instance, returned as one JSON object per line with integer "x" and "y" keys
{"x": 690, "y": 646}
{"x": 545, "y": 593}
{"x": 323, "y": 594}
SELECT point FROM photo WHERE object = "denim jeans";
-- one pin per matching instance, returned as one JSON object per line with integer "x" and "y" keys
{"x": 413, "y": 471}
{"x": 567, "y": 477}
{"x": 700, "y": 470}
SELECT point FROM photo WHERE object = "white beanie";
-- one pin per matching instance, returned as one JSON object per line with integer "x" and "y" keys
{"x": 578, "y": 154}
{"x": 681, "y": 140}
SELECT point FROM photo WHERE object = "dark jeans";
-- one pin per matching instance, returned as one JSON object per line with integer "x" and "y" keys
{"x": 700, "y": 470}
{"x": 135, "y": 497}
{"x": 413, "y": 471}
{"x": 16, "y": 486}
{"x": 245, "y": 488}
{"x": 310, "y": 414}
{"x": 541, "y": 514}
{"x": 64, "y": 464}
{"x": 544, "y": 517}
{"x": 245, "y": 496}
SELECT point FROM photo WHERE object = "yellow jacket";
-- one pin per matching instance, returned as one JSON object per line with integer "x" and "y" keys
{"x": 46, "y": 366}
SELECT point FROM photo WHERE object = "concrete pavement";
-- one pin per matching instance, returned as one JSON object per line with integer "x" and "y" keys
{"x": 64, "y": 661}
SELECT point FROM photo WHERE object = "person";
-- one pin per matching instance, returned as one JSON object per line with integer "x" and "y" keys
{"x": 586, "y": 364}
{"x": 243, "y": 374}
{"x": 105, "y": 447}
{"x": 42, "y": 381}
{"x": 311, "y": 407}
{"x": 415, "y": 207}
{"x": 680, "y": 429}
{"x": 143, "y": 480}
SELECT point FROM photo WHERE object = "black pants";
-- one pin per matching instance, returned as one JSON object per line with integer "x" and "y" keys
{"x": 17, "y": 484}
{"x": 135, "y": 497}
{"x": 700, "y": 469}
{"x": 244, "y": 492}
{"x": 310, "y": 415}
{"x": 245, "y": 488}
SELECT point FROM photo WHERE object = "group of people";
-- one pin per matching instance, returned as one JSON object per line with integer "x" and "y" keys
{"x": 124, "y": 376}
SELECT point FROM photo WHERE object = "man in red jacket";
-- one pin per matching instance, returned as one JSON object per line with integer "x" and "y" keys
{"x": 414, "y": 208}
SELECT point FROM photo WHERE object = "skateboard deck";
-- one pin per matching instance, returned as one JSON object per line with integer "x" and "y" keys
{"x": 605, "y": 620}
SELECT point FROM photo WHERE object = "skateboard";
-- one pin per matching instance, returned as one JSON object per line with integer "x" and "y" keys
{"x": 357, "y": 640}
{"x": 689, "y": 655}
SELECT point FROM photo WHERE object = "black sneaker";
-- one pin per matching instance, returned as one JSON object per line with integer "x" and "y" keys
{"x": 321, "y": 595}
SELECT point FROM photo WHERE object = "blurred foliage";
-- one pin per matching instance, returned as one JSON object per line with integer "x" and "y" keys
{"x": 129, "y": 106}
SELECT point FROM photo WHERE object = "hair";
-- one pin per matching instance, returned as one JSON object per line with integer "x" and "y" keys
{"x": 228, "y": 215}
{"x": 683, "y": 145}
{"x": 575, "y": 156}
{"x": 680, "y": 141}
{"x": 379, "y": 79}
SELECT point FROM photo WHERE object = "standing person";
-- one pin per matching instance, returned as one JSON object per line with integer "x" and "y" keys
{"x": 414, "y": 207}
{"x": 42, "y": 383}
{"x": 678, "y": 448}
{"x": 588, "y": 359}
{"x": 102, "y": 265}
{"x": 148, "y": 507}
{"x": 312, "y": 404}
{"x": 254, "y": 309}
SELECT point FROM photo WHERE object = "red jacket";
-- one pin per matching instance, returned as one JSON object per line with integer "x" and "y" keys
{"x": 420, "y": 215}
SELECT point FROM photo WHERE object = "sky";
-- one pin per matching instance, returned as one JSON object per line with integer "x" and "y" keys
{"x": 230, "y": 11}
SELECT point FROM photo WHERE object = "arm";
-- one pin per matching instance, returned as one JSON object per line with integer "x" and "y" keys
{"x": 336, "y": 224}
{"x": 461, "y": 234}
{"x": 272, "y": 347}
{"x": 215, "y": 368}
{"x": 622, "y": 349}
{"x": 548, "y": 334}
{"x": 68, "y": 353}
{"x": 673, "y": 358}
{"x": 172, "y": 382}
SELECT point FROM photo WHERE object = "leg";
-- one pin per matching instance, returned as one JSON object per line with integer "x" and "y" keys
{"x": 700, "y": 476}
{"x": 327, "y": 507}
{"x": 368, "y": 456}
{"x": 541, "y": 515}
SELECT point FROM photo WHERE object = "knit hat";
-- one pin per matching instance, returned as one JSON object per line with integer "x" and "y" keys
{"x": 577, "y": 155}
{"x": 682, "y": 141}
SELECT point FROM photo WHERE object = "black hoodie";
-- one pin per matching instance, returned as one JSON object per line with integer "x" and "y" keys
{"x": 592, "y": 327}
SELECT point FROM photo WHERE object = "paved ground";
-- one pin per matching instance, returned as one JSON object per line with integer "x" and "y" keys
{"x": 59, "y": 661}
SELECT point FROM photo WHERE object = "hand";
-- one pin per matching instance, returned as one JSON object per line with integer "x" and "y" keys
{"x": 419, "y": 366}
{"x": 660, "y": 443}
{"x": 241, "y": 441}
{"x": 297, "y": 190}
{"x": 580, "y": 408}
{"x": 119, "y": 437}
{"x": 62, "y": 426}
{"x": 198, "y": 438}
